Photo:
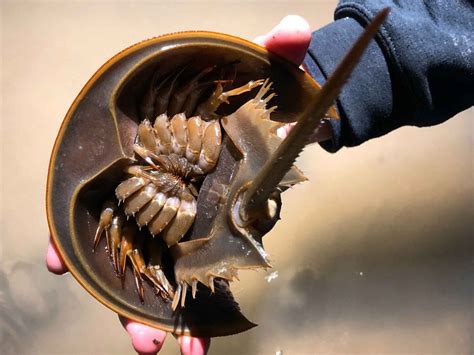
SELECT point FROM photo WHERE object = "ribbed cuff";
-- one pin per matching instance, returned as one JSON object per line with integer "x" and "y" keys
{"x": 365, "y": 102}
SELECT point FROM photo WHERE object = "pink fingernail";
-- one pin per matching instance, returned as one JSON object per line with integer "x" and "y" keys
{"x": 194, "y": 346}
{"x": 145, "y": 339}
{"x": 54, "y": 263}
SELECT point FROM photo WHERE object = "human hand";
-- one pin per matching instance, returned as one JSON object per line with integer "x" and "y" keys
{"x": 289, "y": 39}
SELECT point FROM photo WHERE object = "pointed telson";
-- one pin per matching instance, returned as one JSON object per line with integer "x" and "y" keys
{"x": 283, "y": 158}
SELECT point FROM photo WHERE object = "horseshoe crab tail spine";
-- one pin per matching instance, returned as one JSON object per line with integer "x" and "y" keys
{"x": 283, "y": 158}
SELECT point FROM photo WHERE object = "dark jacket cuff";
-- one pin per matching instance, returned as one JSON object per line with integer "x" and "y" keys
{"x": 365, "y": 103}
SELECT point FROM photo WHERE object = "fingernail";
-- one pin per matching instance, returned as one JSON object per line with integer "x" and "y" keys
{"x": 145, "y": 339}
{"x": 194, "y": 346}
{"x": 54, "y": 263}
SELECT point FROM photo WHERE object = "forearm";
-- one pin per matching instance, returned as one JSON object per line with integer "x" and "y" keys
{"x": 420, "y": 71}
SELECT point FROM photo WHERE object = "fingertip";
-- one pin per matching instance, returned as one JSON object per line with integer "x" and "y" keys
{"x": 290, "y": 38}
{"x": 194, "y": 346}
{"x": 295, "y": 22}
{"x": 145, "y": 339}
{"x": 54, "y": 262}
{"x": 283, "y": 131}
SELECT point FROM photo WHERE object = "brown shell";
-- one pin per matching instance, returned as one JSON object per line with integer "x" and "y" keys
{"x": 95, "y": 143}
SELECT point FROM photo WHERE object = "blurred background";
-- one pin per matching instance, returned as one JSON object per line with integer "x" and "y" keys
{"x": 373, "y": 255}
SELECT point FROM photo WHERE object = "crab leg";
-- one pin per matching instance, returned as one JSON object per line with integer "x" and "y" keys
{"x": 146, "y": 214}
{"x": 146, "y": 136}
{"x": 211, "y": 144}
{"x": 180, "y": 95}
{"x": 179, "y": 133}
{"x": 195, "y": 133}
{"x": 182, "y": 222}
{"x": 104, "y": 223}
{"x": 218, "y": 97}
{"x": 164, "y": 181}
{"x": 191, "y": 102}
{"x": 115, "y": 240}
{"x": 126, "y": 245}
{"x": 167, "y": 213}
{"x": 128, "y": 250}
{"x": 146, "y": 108}
{"x": 139, "y": 268}
{"x": 163, "y": 161}
{"x": 135, "y": 202}
{"x": 146, "y": 155}
{"x": 208, "y": 107}
{"x": 129, "y": 187}
{"x": 154, "y": 272}
{"x": 164, "y": 93}
{"x": 240, "y": 90}
{"x": 163, "y": 133}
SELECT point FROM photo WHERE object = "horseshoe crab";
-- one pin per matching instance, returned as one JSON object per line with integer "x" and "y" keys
{"x": 170, "y": 151}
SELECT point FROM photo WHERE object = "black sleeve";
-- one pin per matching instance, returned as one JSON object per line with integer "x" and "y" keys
{"x": 419, "y": 71}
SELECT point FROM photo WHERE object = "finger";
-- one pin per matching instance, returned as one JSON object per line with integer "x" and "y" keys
{"x": 283, "y": 131}
{"x": 145, "y": 339}
{"x": 290, "y": 38}
{"x": 54, "y": 262}
{"x": 194, "y": 346}
{"x": 322, "y": 133}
